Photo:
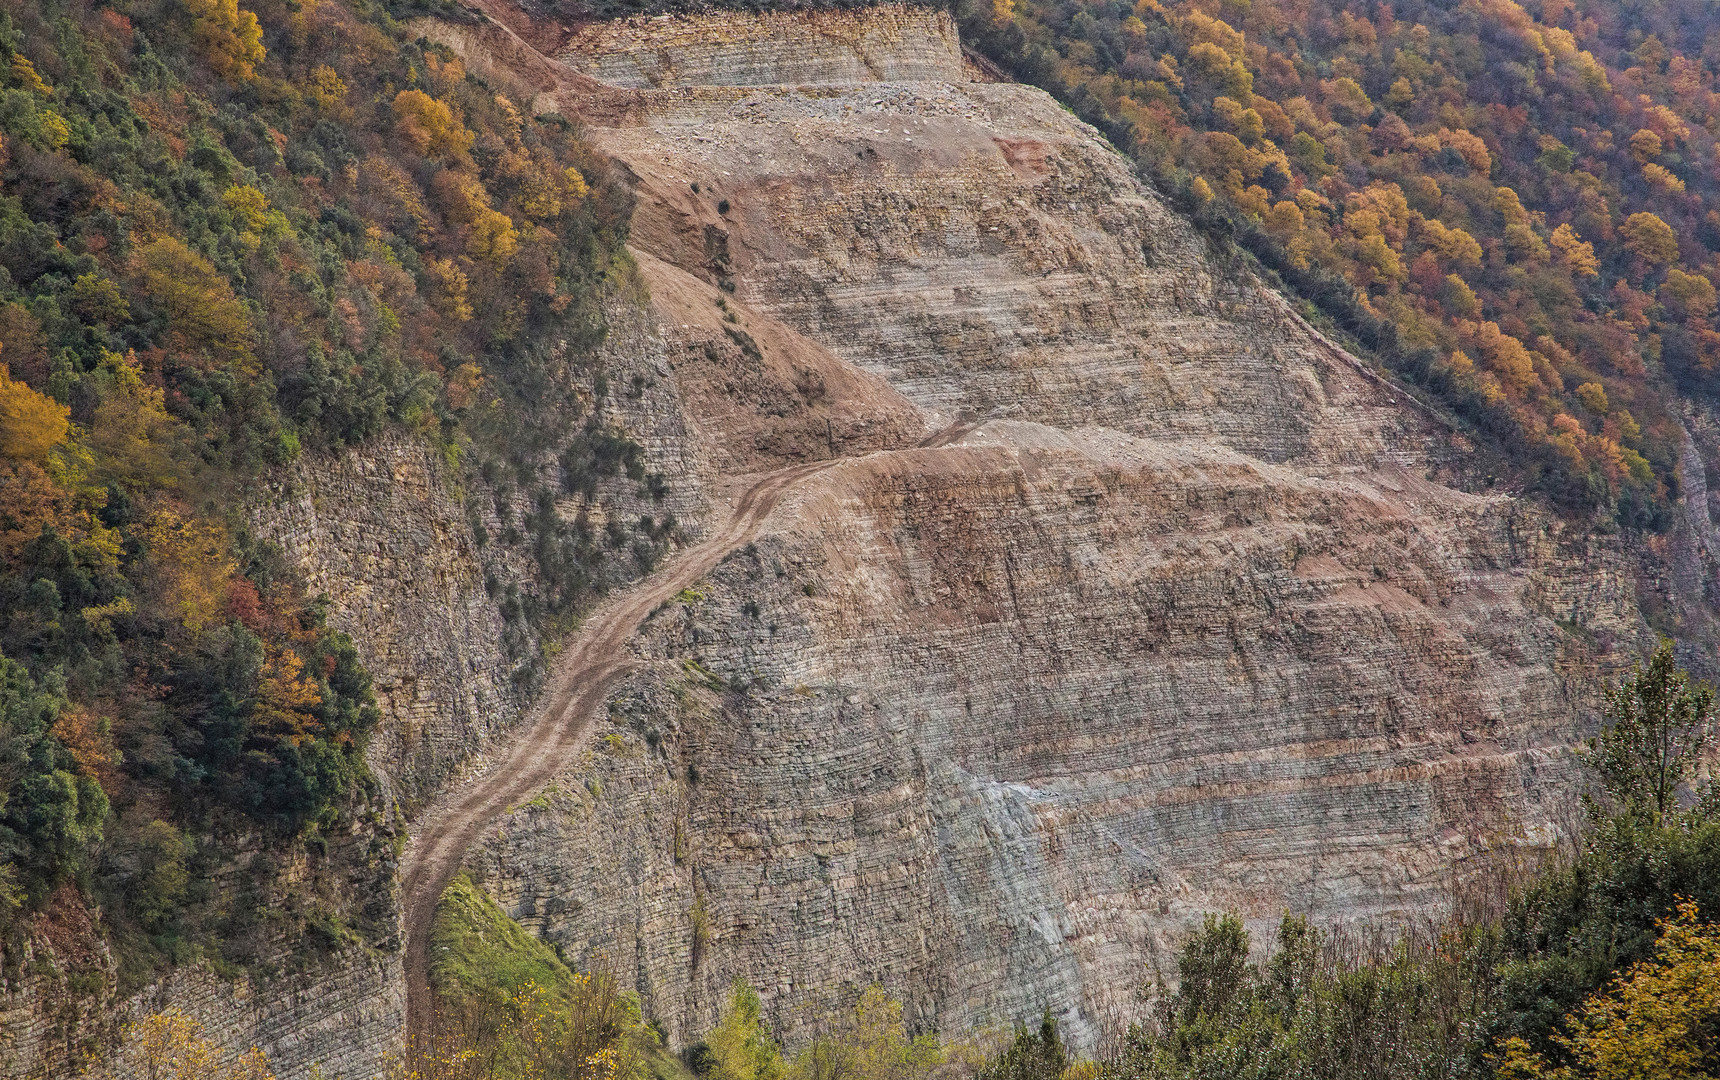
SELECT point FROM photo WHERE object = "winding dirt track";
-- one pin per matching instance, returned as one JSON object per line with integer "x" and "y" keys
{"x": 550, "y": 734}
{"x": 552, "y": 731}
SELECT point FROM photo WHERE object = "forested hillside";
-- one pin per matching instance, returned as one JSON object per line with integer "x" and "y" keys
{"x": 1515, "y": 207}
{"x": 229, "y": 237}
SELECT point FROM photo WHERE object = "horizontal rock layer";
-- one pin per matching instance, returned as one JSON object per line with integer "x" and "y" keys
{"x": 990, "y": 724}
{"x": 888, "y": 44}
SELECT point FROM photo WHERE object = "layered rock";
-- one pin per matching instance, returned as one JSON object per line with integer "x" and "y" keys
{"x": 990, "y": 724}
{"x": 413, "y": 556}
{"x": 890, "y": 44}
{"x": 1200, "y": 625}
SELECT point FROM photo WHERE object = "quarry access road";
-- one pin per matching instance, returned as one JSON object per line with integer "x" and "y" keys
{"x": 552, "y": 731}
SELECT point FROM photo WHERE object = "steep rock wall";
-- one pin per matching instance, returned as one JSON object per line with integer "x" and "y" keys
{"x": 892, "y": 44}
{"x": 390, "y": 533}
{"x": 1190, "y": 617}
{"x": 990, "y": 724}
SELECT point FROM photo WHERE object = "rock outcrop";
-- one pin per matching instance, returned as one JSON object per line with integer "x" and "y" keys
{"x": 1194, "y": 615}
{"x": 807, "y": 48}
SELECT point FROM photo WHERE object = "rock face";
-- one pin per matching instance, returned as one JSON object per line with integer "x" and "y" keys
{"x": 799, "y": 47}
{"x": 381, "y": 534}
{"x": 991, "y": 724}
{"x": 1191, "y": 616}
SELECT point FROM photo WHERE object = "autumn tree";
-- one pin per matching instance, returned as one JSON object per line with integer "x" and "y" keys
{"x": 1657, "y": 1022}
{"x": 229, "y": 37}
{"x": 171, "y": 1045}
{"x": 429, "y": 126}
{"x": 31, "y": 424}
{"x": 1650, "y": 239}
{"x": 197, "y": 298}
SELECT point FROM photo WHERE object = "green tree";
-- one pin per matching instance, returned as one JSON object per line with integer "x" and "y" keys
{"x": 1658, "y": 727}
{"x": 872, "y": 1044}
{"x": 741, "y": 1044}
{"x": 50, "y": 814}
{"x": 1036, "y": 1054}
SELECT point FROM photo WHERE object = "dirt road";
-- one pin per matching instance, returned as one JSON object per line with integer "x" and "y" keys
{"x": 550, "y": 734}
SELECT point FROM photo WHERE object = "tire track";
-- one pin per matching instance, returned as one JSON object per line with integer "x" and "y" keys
{"x": 550, "y": 734}
{"x": 553, "y": 730}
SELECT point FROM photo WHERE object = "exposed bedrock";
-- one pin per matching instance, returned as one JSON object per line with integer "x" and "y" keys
{"x": 1192, "y": 616}
{"x": 990, "y": 724}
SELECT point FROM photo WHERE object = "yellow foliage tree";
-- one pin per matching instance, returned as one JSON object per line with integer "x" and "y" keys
{"x": 429, "y": 126}
{"x": 575, "y": 185}
{"x": 449, "y": 289}
{"x": 131, "y": 438}
{"x": 230, "y": 37}
{"x": 191, "y": 563}
{"x": 248, "y": 204}
{"x": 31, "y": 424}
{"x": 1469, "y": 146}
{"x": 1578, "y": 253}
{"x": 1650, "y": 238}
{"x": 1663, "y": 178}
{"x": 741, "y": 1045}
{"x": 284, "y": 696}
{"x": 1450, "y": 243}
{"x": 873, "y": 1045}
{"x": 493, "y": 237}
{"x": 172, "y": 1046}
{"x": 1652, "y": 1024}
{"x": 1506, "y": 357}
{"x": 198, "y": 299}
{"x": 25, "y": 72}
{"x": 326, "y": 87}
{"x": 1458, "y": 298}
{"x": 1691, "y": 295}
{"x": 1645, "y": 145}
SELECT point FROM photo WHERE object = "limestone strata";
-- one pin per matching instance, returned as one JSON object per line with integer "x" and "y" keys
{"x": 1193, "y": 615}
{"x": 386, "y": 532}
{"x": 379, "y": 532}
{"x": 887, "y": 44}
{"x": 759, "y": 394}
{"x": 985, "y": 253}
{"x": 1016, "y": 710}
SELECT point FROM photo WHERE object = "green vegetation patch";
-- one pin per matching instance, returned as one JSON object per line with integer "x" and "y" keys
{"x": 508, "y": 1008}
{"x": 477, "y": 950}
